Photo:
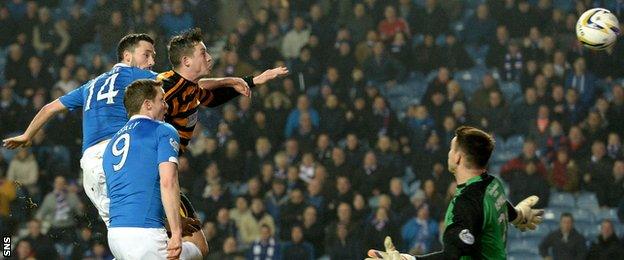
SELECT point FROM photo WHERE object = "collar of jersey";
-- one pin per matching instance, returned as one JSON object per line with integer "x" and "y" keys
{"x": 471, "y": 181}
{"x": 121, "y": 64}
{"x": 139, "y": 116}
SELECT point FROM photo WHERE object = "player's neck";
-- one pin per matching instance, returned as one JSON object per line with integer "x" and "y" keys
{"x": 188, "y": 75}
{"x": 463, "y": 174}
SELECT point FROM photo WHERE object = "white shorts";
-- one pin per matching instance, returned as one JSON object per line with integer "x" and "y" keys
{"x": 94, "y": 180}
{"x": 145, "y": 243}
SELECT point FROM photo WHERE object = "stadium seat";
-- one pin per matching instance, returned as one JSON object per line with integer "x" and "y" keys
{"x": 587, "y": 200}
{"x": 523, "y": 256}
{"x": 602, "y": 214}
{"x": 523, "y": 245}
{"x": 589, "y": 229}
{"x": 583, "y": 215}
{"x": 562, "y": 199}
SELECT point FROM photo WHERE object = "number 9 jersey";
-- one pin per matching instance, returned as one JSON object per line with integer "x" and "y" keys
{"x": 130, "y": 163}
{"x": 101, "y": 98}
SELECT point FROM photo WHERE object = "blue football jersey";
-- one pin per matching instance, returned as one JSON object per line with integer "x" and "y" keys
{"x": 101, "y": 100}
{"x": 131, "y": 162}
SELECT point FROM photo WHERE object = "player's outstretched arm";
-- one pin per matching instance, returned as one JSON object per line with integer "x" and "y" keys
{"x": 43, "y": 116}
{"x": 237, "y": 83}
{"x": 269, "y": 75}
{"x": 390, "y": 254}
{"x": 526, "y": 216}
{"x": 170, "y": 195}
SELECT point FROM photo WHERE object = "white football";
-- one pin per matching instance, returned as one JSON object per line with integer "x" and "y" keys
{"x": 597, "y": 28}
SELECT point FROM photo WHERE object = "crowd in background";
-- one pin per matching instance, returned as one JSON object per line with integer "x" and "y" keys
{"x": 324, "y": 162}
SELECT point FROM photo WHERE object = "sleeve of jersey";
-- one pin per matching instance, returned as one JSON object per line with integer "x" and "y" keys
{"x": 461, "y": 235}
{"x": 168, "y": 144}
{"x": 73, "y": 99}
{"x": 217, "y": 97}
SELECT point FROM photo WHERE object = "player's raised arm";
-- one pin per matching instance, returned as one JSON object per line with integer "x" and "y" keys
{"x": 43, "y": 116}
{"x": 269, "y": 75}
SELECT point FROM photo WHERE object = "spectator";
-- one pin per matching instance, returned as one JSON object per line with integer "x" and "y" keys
{"x": 228, "y": 251}
{"x": 110, "y": 31}
{"x": 250, "y": 225}
{"x": 66, "y": 82}
{"x": 58, "y": 210}
{"x": 265, "y": 247}
{"x": 495, "y": 56}
{"x": 454, "y": 55}
{"x": 616, "y": 110}
{"x": 597, "y": 171}
{"x": 380, "y": 68}
{"x": 529, "y": 149}
{"x": 513, "y": 63}
{"x": 481, "y": 27}
{"x": 176, "y": 21}
{"x": 344, "y": 246}
{"x": 607, "y": 245}
{"x": 583, "y": 82}
{"x": 564, "y": 175}
{"x": 295, "y": 39}
{"x": 42, "y": 245}
{"x": 434, "y": 19}
{"x": 378, "y": 228}
{"x": 297, "y": 247}
{"x": 427, "y": 57}
{"x": 7, "y": 196}
{"x": 420, "y": 233}
{"x": 303, "y": 106}
{"x": 564, "y": 243}
{"x": 23, "y": 169}
{"x": 614, "y": 191}
{"x": 392, "y": 25}
{"x": 526, "y": 182}
{"x": 397, "y": 195}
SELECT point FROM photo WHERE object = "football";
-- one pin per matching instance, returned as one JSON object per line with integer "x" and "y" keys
{"x": 597, "y": 28}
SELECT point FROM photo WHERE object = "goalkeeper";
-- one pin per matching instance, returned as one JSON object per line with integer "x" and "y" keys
{"x": 477, "y": 216}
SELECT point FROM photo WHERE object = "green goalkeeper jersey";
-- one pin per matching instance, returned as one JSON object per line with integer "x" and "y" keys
{"x": 476, "y": 221}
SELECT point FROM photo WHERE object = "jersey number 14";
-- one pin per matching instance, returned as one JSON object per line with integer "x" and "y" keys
{"x": 108, "y": 86}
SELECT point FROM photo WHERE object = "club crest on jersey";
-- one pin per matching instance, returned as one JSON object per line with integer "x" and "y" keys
{"x": 174, "y": 144}
{"x": 466, "y": 237}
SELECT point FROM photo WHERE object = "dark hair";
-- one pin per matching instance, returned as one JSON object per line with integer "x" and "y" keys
{"x": 129, "y": 42}
{"x": 566, "y": 214}
{"x": 138, "y": 92}
{"x": 476, "y": 144}
{"x": 183, "y": 45}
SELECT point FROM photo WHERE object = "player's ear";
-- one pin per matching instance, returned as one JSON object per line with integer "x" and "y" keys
{"x": 127, "y": 56}
{"x": 186, "y": 61}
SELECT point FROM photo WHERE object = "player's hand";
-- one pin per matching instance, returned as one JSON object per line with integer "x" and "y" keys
{"x": 190, "y": 226}
{"x": 528, "y": 218}
{"x": 241, "y": 87}
{"x": 271, "y": 74}
{"x": 174, "y": 247}
{"x": 390, "y": 254}
{"x": 16, "y": 142}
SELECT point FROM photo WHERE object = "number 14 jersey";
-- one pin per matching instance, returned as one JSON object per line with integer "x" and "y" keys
{"x": 101, "y": 100}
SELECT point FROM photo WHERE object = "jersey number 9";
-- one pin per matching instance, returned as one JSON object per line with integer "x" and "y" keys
{"x": 123, "y": 151}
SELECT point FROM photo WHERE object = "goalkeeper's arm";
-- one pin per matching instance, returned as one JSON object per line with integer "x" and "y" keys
{"x": 461, "y": 234}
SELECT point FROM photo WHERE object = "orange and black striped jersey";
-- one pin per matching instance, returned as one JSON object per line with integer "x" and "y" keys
{"x": 184, "y": 97}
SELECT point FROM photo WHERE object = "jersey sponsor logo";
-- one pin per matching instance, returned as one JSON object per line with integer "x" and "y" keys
{"x": 466, "y": 237}
{"x": 192, "y": 120}
{"x": 174, "y": 144}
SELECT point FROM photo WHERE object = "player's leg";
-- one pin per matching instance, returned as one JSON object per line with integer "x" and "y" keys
{"x": 195, "y": 246}
{"x": 94, "y": 180}
{"x": 137, "y": 243}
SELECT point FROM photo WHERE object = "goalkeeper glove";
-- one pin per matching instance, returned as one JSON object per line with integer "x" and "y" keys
{"x": 528, "y": 218}
{"x": 390, "y": 254}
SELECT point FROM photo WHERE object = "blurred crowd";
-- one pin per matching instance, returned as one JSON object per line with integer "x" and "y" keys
{"x": 325, "y": 162}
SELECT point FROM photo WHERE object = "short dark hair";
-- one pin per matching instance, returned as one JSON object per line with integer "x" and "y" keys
{"x": 183, "y": 45}
{"x": 129, "y": 42}
{"x": 566, "y": 215}
{"x": 138, "y": 92}
{"x": 477, "y": 145}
